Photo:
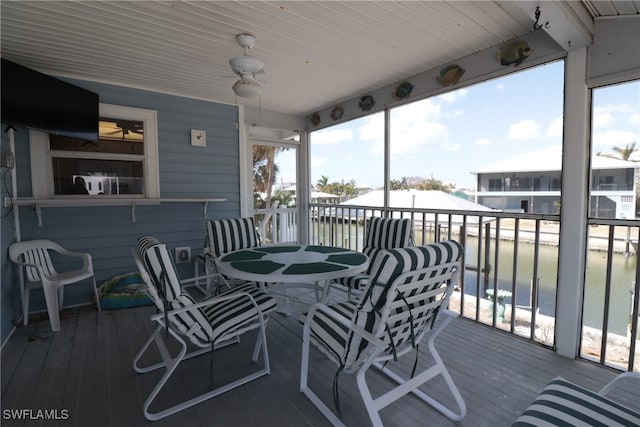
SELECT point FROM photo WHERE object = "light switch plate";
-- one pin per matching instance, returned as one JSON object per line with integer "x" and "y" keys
{"x": 198, "y": 138}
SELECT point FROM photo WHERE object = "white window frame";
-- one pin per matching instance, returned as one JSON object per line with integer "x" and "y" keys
{"x": 41, "y": 155}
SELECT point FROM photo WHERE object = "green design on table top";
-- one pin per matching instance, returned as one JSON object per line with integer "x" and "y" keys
{"x": 324, "y": 249}
{"x": 259, "y": 267}
{"x": 313, "y": 267}
{"x": 348, "y": 258}
{"x": 279, "y": 249}
{"x": 247, "y": 255}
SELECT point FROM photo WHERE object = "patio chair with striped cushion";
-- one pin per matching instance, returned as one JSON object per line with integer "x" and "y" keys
{"x": 207, "y": 325}
{"x": 563, "y": 403}
{"x": 382, "y": 233}
{"x": 404, "y": 304}
{"x": 224, "y": 236}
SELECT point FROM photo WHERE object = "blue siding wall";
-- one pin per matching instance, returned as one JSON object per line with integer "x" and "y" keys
{"x": 109, "y": 233}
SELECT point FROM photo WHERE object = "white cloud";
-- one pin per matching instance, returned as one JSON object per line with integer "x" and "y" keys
{"x": 424, "y": 110}
{"x": 331, "y": 136}
{"x": 523, "y": 130}
{"x": 602, "y": 119}
{"x": 614, "y": 108}
{"x": 318, "y": 161}
{"x": 412, "y": 137}
{"x": 450, "y": 146}
{"x": 605, "y": 141}
{"x": 453, "y": 114}
{"x": 556, "y": 127}
{"x": 500, "y": 87}
{"x": 483, "y": 141}
{"x": 413, "y": 127}
{"x": 453, "y": 96}
{"x": 605, "y": 115}
{"x": 373, "y": 128}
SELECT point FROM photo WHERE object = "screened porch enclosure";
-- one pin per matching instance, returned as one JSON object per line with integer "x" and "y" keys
{"x": 517, "y": 253}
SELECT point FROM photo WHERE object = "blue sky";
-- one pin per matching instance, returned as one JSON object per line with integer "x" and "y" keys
{"x": 448, "y": 136}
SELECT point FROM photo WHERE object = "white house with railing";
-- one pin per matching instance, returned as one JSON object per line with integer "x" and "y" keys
{"x": 532, "y": 184}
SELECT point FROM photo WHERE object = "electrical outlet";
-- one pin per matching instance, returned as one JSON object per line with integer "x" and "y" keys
{"x": 183, "y": 254}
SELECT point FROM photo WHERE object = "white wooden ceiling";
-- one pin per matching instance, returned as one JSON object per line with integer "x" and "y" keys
{"x": 317, "y": 53}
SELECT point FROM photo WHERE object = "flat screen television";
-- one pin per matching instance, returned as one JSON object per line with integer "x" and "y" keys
{"x": 38, "y": 101}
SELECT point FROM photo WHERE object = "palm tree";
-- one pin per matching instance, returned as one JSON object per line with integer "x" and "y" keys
{"x": 626, "y": 151}
{"x": 284, "y": 197}
{"x": 264, "y": 170}
{"x": 322, "y": 183}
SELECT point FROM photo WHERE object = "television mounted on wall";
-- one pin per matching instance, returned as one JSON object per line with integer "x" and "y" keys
{"x": 38, "y": 101}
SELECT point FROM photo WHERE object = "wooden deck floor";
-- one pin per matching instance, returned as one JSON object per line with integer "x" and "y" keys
{"x": 85, "y": 371}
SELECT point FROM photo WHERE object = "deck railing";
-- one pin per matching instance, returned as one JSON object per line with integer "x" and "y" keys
{"x": 513, "y": 256}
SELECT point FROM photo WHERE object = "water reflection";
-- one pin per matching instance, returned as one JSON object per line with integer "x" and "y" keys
{"x": 623, "y": 274}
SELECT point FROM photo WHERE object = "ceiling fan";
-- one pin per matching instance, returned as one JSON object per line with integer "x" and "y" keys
{"x": 247, "y": 67}
{"x": 111, "y": 128}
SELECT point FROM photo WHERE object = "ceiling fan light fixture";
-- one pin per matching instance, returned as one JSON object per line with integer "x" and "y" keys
{"x": 246, "y": 64}
{"x": 247, "y": 88}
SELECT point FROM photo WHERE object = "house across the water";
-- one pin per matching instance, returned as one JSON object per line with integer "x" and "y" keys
{"x": 532, "y": 184}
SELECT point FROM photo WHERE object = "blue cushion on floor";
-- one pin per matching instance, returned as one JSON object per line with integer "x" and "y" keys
{"x": 124, "y": 291}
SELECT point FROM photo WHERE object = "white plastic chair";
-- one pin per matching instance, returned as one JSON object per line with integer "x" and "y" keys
{"x": 401, "y": 308}
{"x": 33, "y": 258}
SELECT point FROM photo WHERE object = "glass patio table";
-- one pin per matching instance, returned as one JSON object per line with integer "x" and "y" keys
{"x": 293, "y": 266}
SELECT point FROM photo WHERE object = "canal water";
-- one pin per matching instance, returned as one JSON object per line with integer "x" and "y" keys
{"x": 622, "y": 279}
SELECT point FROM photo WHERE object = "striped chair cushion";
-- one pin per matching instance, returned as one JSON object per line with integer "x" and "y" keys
{"x": 382, "y": 233}
{"x": 389, "y": 265}
{"x": 229, "y": 315}
{"x": 563, "y": 403}
{"x": 329, "y": 334}
{"x": 206, "y": 324}
{"x": 347, "y": 349}
{"x": 358, "y": 281}
{"x": 160, "y": 266}
{"x": 389, "y": 233}
{"x": 227, "y": 235}
{"x": 361, "y": 280}
{"x": 394, "y": 262}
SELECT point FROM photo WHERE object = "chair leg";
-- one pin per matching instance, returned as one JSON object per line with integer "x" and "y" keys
{"x": 25, "y": 305}
{"x": 95, "y": 293}
{"x": 304, "y": 387}
{"x": 60, "y": 298}
{"x": 411, "y": 385}
{"x": 51, "y": 298}
{"x": 171, "y": 363}
{"x": 167, "y": 362}
{"x": 261, "y": 344}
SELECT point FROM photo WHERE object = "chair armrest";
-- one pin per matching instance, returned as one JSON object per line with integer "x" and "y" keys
{"x": 325, "y": 309}
{"x": 192, "y": 280}
{"x": 208, "y": 302}
{"x": 349, "y": 324}
{"x": 611, "y": 385}
{"x": 87, "y": 262}
{"x": 26, "y": 264}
